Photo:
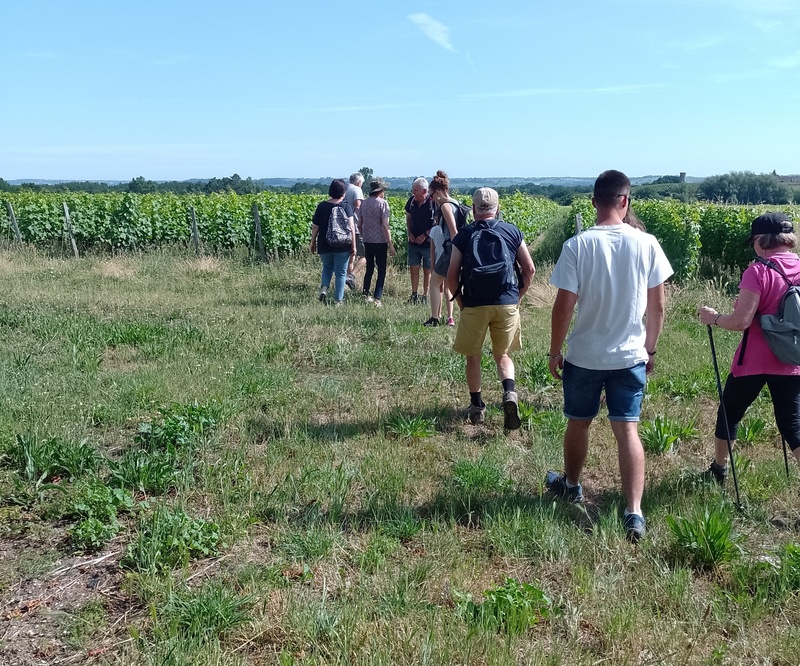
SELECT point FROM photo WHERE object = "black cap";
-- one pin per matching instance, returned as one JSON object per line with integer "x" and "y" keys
{"x": 770, "y": 223}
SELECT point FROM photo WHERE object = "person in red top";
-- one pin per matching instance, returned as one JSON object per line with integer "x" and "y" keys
{"x": 754, "y": 363}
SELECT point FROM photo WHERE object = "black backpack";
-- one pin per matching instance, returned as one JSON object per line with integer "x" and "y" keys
{"x": 338, "y": 234}
{"x": 782, "y": 329}
{"x": 488, "y": 268}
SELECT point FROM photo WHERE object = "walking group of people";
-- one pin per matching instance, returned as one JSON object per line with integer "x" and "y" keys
{"x": 431, "y": 218}
{"x": 613, "y": 274}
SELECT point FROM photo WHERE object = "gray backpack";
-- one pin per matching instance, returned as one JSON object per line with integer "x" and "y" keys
{"x": 782, "y": 329}
{"x": 338, "y": 235}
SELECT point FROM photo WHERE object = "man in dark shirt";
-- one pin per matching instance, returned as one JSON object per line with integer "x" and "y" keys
{"x": 419, "y": 221}
{"x": 498, "y": 314}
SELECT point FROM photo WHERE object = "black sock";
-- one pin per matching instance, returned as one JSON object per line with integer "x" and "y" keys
{"x": 475, "y": 399}
{"x": 509, "y": 384}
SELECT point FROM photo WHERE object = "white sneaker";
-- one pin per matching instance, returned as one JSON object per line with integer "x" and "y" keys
{"x": 378, "y": 303}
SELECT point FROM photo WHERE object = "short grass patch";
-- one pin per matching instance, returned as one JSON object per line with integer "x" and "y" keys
{"x": 231, "y": 473}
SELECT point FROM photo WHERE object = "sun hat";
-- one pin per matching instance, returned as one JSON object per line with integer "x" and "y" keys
{"x": 376, "y": 186}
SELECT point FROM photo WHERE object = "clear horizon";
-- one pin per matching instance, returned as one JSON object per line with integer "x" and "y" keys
{"x": 172, "y": 91}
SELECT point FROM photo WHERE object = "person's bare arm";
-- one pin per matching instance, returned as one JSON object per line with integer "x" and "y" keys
{"x": 388, "y": 233}
{"x": 738, "y": 320}
{"x": 454, "y": 275}
{"x": 523, "y": 258}
{"x": 654, "y": 323}
{"x": 560, "y": 319}
{"x": 408, "y": 228}
{"x": 449, "y": 220}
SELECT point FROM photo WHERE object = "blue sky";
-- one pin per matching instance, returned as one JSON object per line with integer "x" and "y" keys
{"x": 172, "y": 89}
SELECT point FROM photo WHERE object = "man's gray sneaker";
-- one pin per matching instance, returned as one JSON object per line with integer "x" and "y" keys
{"x": 477, "y": 415}
{"x": 511, "y": 411}
{"x": 323, "y": 295}
{"x": 557, "y": 483}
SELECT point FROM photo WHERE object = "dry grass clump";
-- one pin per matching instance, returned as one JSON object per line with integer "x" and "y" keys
{"x": 115, "y": 269}
{"x": 203, "y": 267}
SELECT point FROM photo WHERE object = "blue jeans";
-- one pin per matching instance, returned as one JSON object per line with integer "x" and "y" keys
{"x": 334, "y": 264}
{"x": 624, "y": 392}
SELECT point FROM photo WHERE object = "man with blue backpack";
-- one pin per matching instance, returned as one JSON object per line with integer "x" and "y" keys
{"x": 490, "y": 271}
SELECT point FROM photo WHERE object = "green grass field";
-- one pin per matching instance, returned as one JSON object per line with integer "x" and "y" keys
{"x": 201, "y": 464}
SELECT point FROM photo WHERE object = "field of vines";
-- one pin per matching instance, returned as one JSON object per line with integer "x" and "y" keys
{"x": 693, "y": 235}
{"x": 122, "y": 221}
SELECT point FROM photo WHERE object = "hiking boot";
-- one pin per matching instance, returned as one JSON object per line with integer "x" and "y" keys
{"x": 477, "y": 415}
{"x": 433, "y": 321}
{"x": 323, "y": 295}
{"x": 350, "y": 281}
{"x": 511, "y": 411}
{"x": 451, "y": 321}
{"x": 634, "y": 527}
{"x": 557, "y": 483}
{"x": 716, "y": 473}
{"x": 423, "y": 300}
{"x": 414, "y": 298}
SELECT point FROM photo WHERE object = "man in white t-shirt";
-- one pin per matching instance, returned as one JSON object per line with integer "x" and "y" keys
{"x": 354, "y": 196}
{"x": 615, "y": 274}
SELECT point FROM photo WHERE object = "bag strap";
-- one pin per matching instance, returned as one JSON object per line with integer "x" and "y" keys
{"x": 775, "y": 267}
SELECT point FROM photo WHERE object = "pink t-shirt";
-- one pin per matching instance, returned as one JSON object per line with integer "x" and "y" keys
{"x": 770, "y": 286}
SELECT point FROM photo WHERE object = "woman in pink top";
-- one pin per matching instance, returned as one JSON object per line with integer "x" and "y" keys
{"x": 754, "y": 364}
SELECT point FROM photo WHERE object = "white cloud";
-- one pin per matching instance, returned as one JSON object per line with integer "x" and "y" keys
{"x": 700, "y": 44}
{"x": 541, "y": 92}
{"x": 433, "y": 30}
{"x": 790, "y": 61}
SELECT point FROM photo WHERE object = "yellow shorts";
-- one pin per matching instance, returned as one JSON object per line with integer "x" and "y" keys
{"x": 502, "y": 322}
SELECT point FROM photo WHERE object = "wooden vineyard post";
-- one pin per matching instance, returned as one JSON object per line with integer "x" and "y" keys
{"x": 195, "y": 232}
{"x": 578, "y": 223}
{"x": 259, "y": 238}
{"x": 12, "y": 220}
{"x": 68, "y": 229}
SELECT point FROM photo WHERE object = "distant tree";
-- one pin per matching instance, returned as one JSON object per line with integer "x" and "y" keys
{"x": 233, "y": 183}
{"x": 309, "y": 188}
{"x": 5, "y": 186}
{"x": 685, "y": 192}
{"x": 140, "y": 185}
{"x": 745, "y": 187}
{"x": 667, "y": 179}
{"x": 367, "y": 173}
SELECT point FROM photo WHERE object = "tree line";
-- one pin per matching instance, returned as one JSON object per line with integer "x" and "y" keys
{"x": 736, "y": 187}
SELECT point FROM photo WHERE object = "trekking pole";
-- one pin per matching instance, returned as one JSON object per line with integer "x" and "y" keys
{"x": 724, "y": 415}
{"x": 785, "y": 456}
